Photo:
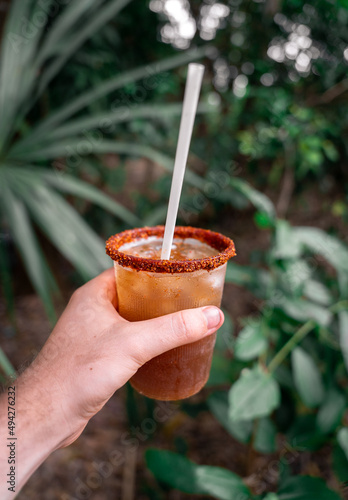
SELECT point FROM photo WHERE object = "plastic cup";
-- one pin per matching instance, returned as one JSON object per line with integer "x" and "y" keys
{"x": 148, "y": 288}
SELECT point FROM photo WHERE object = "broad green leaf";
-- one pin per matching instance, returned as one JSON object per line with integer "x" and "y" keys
{"x": 218, "y": 405}
{"x": 294, "y": 274}
{"x": 286, "y": 245}
{"x": 321, "y": 243}
{"x": 330, "y": 413}
{"x": 265, "y": 438}
{"x": 28, "y": 246}
{"x": 250, "y": 342}
{"x": 340, "y": 463}
{"x": 317, "y": 292}
{"x": 255, "y": 394}
{"x": 259, "y": 200}
{"x": 343, "y": 335}
{"x": 342, "y": 438}
{"x": 304, "y": 310}
{"x": 306, "y": 488}
{"x": 304, "y": 434}
{"x": 307, "y": 378}
{"x": 180, "y": 473}
{"x": 271, "y": 496}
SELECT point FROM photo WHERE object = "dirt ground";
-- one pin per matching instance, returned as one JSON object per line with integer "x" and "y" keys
{"x": 101, "y": 464}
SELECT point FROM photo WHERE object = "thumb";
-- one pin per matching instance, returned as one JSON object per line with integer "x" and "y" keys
{"x": 147, "y": 339}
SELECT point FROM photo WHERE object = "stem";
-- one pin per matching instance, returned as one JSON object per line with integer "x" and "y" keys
{"x": 300, "y": 335}
{"x": 288, "y": 347}
{"x": 339, "y": 306}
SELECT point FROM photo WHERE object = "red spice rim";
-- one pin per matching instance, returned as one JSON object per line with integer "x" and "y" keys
{"x": 224, "y": 245}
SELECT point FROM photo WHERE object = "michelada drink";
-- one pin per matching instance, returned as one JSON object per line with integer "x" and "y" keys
{"x": 148, "y": 287}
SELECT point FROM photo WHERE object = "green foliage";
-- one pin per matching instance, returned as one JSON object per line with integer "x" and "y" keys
{"x": 30, "y": 188}
{"x": 296, "y": 382}
{"x": 255, "y": 394}
{"x": 307, "y": 378}
{"x": 306, "y": 488}
{"x": 180, "y": 473}
{"x": 250, "y": 342}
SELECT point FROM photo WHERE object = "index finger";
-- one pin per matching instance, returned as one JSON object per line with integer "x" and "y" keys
{"x": 103, "y": 286}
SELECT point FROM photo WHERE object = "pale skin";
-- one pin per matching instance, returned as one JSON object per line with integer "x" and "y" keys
{"x": 90, "y": 354}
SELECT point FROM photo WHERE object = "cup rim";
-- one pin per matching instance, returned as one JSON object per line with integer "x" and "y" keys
{"x": 222, "y": 243}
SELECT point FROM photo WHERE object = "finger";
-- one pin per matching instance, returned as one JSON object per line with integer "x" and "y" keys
{"x": 103, "y": 288}
{"x": 144, "y": 340}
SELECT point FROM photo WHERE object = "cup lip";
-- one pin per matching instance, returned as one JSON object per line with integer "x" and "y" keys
{"x": 222, "y": 243}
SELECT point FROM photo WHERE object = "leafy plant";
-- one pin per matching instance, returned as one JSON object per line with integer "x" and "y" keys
{"x": 290, "y": 363}
{"x": 31, "y": 190}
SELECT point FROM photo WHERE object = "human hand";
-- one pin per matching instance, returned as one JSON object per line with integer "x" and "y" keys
{"x": 91, "y": 353}
{"x": 96, "y": 351}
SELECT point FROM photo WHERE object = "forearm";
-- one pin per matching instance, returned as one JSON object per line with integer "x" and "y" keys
{"x": 38, "y": 429}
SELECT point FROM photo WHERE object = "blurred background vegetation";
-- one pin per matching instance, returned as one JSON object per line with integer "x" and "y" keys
{"x": 90, "y": 101}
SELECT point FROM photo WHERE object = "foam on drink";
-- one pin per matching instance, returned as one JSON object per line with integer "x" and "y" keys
{"x": 182, "y": 249}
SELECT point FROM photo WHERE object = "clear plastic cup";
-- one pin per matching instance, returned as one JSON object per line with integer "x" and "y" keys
{"x": 148, "y": 288}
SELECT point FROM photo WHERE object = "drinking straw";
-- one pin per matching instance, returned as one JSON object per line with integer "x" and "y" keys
{"x": 192, "y": 90}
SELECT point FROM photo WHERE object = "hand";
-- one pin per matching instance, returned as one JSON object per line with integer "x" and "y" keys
{"x": 90, "y": 354}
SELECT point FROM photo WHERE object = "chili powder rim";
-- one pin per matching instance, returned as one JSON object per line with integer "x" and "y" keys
{"x": 223, "y": 244}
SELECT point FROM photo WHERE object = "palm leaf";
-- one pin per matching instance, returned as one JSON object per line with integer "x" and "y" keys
{"x": 76, "y": 187}
{"x": 11, "y": 70}
{"x": 70, "y": 147}
{"x": 104, "y": 121}
{"x": 28, "y": 54}
{"x": 25, "y": 239}
{"x": 65, "y": 228}
{"x": 70, "y": 16}
{"x": 115, "y": 83}
{"x": 78, "y": 38}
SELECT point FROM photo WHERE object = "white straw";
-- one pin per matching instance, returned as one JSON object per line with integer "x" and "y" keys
{"x": 192, "y": 90}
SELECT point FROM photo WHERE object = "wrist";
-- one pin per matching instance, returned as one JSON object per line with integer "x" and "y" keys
{"x": 42, "y": 423}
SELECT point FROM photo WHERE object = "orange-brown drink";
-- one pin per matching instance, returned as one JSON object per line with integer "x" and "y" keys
{"x": 148, "y": 287}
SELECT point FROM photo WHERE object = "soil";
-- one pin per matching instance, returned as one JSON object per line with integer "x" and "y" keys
{"x": 88, "y": 468}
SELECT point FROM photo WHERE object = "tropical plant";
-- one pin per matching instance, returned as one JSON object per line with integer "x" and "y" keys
{"x": 31, "y": 189}
{"x": 289, "y": 369}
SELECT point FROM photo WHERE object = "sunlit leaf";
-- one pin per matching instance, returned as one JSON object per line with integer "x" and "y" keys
{"x": 342, "y": 438}
{"x": 250, "y": 342}
{"x": 258, "y": 199}
{"x": 307, "y": 378}
{"x": 255, "y": 394}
